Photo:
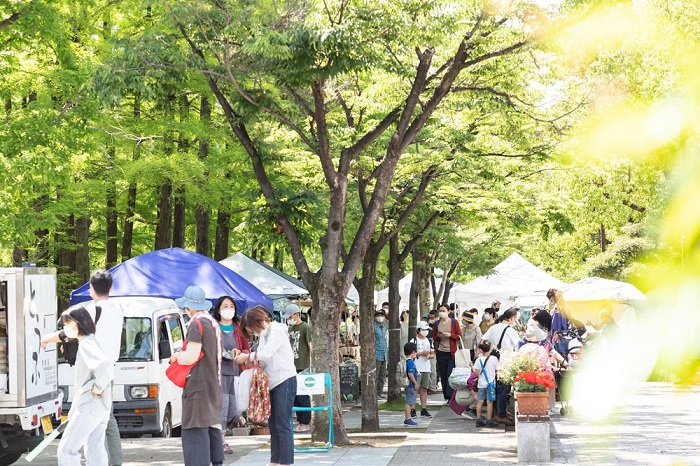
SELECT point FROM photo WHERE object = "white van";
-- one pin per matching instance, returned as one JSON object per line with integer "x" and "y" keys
{"x": 145, "y": 400}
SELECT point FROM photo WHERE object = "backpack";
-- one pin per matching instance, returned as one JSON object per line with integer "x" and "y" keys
{"x": 401, "y": 373}
{"x": 70, "y": 345}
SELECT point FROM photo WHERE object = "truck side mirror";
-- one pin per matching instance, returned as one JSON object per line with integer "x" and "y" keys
{"x": 164, "y": 349}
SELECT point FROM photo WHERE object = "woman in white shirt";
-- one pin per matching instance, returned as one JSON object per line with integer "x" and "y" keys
{"x": 92, "y": 401}
{"x": 277, "y": 360}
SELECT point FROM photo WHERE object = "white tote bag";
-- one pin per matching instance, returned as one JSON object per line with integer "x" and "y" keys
{"x": 241, "y": 387}
{"x": 462, "y": 356}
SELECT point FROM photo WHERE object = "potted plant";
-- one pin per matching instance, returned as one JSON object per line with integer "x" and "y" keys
{"x": 531, "y": 391}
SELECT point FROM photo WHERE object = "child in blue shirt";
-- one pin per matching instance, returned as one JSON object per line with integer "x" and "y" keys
{"x": 410, "y": 349}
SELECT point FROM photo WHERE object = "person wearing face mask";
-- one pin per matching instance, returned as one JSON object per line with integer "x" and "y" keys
{"x": 232, "y": 344}
{"x": 471, "y": 334}
{"x": 381, "y": 345}
{"x": 277, "y": 360}
{"x": 487, "y": 320}
{"x": 92, "y": 400}
{"x": 446, "y": 335}
{"x": 300, "y": 339}
{"x": 201, "y": 397}
{"x": 425, "y": 352}
{"x": 431, "y": 318}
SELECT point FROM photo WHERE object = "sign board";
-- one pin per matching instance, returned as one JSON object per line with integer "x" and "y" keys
{"x": 39, "y": 319}
{"x": 349, "y": 378}
{"x": 311, "y": 384}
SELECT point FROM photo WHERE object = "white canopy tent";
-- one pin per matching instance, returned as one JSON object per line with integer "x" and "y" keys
{"x": 405, "y": 290}
{"x": 588, "y": 296}
{"x": 515, "y": 280}
{"x": 595, "y": 288}
{"x": 272, "y": 282}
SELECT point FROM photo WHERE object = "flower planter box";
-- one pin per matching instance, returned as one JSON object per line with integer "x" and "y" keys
{"x": 532, "y": 403}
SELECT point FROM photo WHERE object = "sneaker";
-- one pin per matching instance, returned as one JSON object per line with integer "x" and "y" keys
{"x": 466, "y": 415}
{"x": 227, "y": 449}
{"x": 480, "y": 423}
{"x": 490, "y": 423}
{"x": 410, "y": 422}
{"x": 425, "y": 413}
{"x": 413, "y": 413}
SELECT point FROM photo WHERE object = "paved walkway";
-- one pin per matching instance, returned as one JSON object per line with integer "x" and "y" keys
{"x": 659, "y": 424}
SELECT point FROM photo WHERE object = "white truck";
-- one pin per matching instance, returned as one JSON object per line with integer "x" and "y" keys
{"x": 145, "y": 400}
{"x": 29, "y": 398}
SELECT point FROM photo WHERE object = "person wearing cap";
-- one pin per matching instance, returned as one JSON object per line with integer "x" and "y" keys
{"x": 201, "y": 396}
{"x": 425, "y": 352}
{"x": 471, "y": 334}
{"x": 300, "y": 339}
{"x": 381, "y": 345}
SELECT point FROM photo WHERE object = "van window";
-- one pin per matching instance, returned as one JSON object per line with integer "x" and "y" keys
{"x": 175, "y": 332}
{"x": 137, "y": 339}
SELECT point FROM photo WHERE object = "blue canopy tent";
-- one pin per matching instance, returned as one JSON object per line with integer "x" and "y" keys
{"x": 166, "y": 273}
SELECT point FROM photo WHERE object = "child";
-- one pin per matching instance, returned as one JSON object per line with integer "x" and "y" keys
{"x": 424, "y": 353}
{"x": 485, "y": 367}
{"x": 409, "y": 349}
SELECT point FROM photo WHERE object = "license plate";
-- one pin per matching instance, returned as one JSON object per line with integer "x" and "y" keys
{"x": 46, "y": 424}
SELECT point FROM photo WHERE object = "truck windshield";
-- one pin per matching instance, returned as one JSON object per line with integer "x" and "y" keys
{"x": 137, "y": 338}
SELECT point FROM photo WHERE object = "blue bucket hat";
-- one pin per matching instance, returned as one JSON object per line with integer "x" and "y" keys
{"x": 194, "y": 299}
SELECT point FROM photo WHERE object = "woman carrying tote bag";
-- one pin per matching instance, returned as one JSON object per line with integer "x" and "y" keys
{"x": 275, "y": 355}
{"x": 201, "y": 396}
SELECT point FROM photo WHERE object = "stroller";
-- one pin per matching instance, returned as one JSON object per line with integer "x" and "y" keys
{"x": 570, "y": 345}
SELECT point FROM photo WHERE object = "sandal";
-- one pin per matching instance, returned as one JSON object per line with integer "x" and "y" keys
{"x": 302, "y": 428}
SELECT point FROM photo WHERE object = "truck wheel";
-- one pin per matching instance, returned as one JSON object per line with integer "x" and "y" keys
{"x": 167, "y": 431}
{"x": 9, "y": 458}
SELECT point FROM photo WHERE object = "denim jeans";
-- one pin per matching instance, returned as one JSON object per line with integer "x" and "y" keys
{"x": 445, "y": 364}
{"x": 281, "y": 436}
{"x": 202, "y": 446}
{"x": 502, "y": 398}
{"x": 86, "y": 428}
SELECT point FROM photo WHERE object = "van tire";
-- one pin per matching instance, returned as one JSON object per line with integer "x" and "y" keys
{"x": 7, "y": 459}
{"x": 167, "y": 431}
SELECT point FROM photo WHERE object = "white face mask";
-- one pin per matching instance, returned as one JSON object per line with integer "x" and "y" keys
{"x": 291, "y": 322}
{"x": 424, "y": 333}
{"x": 487, "y": 317}
{"x": 71, "y": 330}
{"x": 227, "y": 314}
{"x": 431, "y": 321}
{"x": 380, "y": 319}
{"x": 442, "y": 314}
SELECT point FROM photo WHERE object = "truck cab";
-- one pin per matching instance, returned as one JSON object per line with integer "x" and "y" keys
{"x": 145, "y": 400}
{"x": 29, "y": 397}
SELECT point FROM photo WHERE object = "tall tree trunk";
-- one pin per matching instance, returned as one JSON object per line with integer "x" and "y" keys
{"x": 425, "y": 286}
{"x": 222, "y": 231}
{"x": 165, "y": 217}
{"x": 602, "y": 238}
{"x": 414, "y": 295}
{"x": 368, "y": 354}
{"x": 82, "y": 252}
{"x": 179, "y": 218}
{"x": 165, "y": 206}
{"x": 128, "y": 237}
{"x": 111, "y": 246}
{"x": 66, "y": 240}
{"x": 395, "y": 350}
{"x": 325, "y": 357}
{"x": 18, "y": 256}
{"x": 183, "y": 145}
{"x": 202, "y": 212}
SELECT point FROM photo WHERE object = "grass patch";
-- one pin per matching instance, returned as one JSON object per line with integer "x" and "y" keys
{"x": 396, "y": 405}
